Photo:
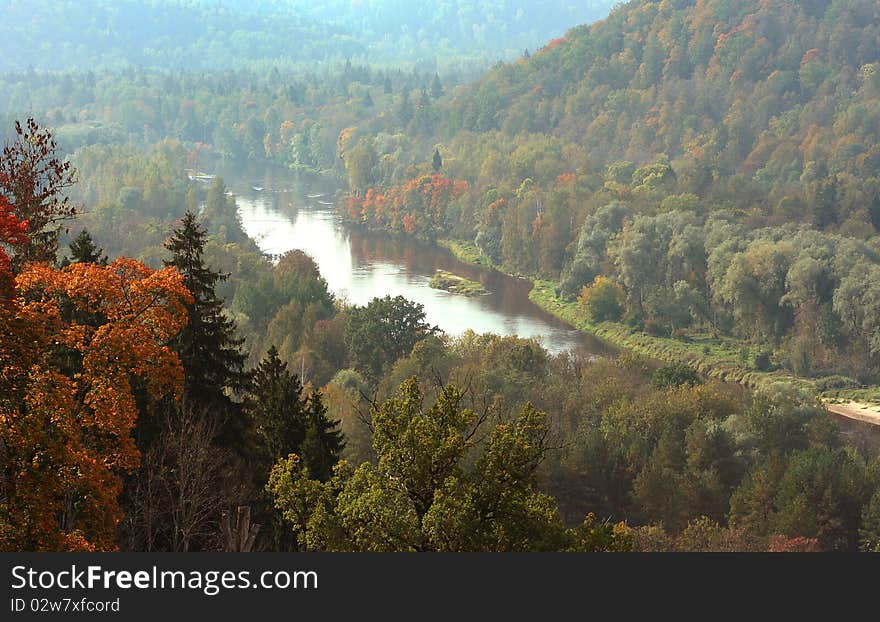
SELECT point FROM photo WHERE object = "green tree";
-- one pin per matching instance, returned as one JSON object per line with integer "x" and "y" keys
{"x": 675, "y": 375}
{"x": 284, "y": 421}
{"x": 869, "y": 533}
{"x": 426, "y": 493}
{"x": 384, "y": 331}
{"x": 208, "y": 347}
{"x": 84, "y": 250}
{"x": 814, "y": 493}
{"x": 602, "y": 301}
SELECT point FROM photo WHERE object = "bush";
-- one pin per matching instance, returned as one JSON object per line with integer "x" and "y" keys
{"x": 603, "y": 301}
{"x": 675, "y": 375}
{"x": 836, "y": 382}
{"x": 762, "y": 361}
{"x": 656, "y": 329}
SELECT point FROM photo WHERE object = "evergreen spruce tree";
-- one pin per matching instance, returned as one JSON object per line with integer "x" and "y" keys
{"x": 276, "y": 408}
{"x": 436, "y": 87}
{"x": 437, "y": 162}
{"x": 84, "y": 250}
{"x": 282, "y": 422}
{"x": 285, "y": 421}
{"x": 406, "y": 111}
{"x": 211, "y": 354}
{"x": 323, "y": 442}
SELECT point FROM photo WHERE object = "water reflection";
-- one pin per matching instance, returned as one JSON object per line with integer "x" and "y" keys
{"x": 361, "y": 266}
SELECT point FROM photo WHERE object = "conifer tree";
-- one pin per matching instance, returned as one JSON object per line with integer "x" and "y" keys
{"x": 436, "y": 87}
{"x": 323, "y": 444}
{"x": 84, "y": 250}
{"x": 275, "y": 407}
{"x": 285, "y": 421}
{"x": 208, "y": 348}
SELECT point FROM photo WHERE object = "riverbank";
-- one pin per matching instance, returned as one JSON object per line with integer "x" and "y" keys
{"x": 721, "y": 359}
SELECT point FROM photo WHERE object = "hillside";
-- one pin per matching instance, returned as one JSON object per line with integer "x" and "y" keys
{"x": 496, "y": 28}
{"x": 717, "y": 161}
{"x": 209, "y": 34}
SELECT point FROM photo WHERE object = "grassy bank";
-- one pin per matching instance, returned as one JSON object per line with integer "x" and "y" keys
{"x": 468, "y": 252}
{"x": 715, "y": 358}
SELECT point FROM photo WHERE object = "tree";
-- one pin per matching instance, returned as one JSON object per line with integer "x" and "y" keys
{"x": 384, "y": 331}
{"x": 675, "y": 375}
{"x": 869, "y": 533}
{"x": 221, "y": 216}
{"x": 34, "y": 178}
{"x": 359, "y": 162}
{"x": 208, "y": 348}
{"x": 284, "y": 419}
{"x": 436, "y": 87}
{"x": 424, "y": 494}
{"x": 185, "y": 483}
{"x": 84, "y": 250}
{"x": 13, "y": 232}
{"x": 815, "y": 493}
{"x": 405, "y": 110}
{"x": 437, "y": 161}
{"x": 66, "y": 439}
{"x": 602, "y": 301}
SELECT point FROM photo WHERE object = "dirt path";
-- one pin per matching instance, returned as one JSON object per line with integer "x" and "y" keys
{"x": 868, "y": 413}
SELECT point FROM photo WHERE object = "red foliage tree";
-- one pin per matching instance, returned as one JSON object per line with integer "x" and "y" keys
{"x": 66, "y": 436}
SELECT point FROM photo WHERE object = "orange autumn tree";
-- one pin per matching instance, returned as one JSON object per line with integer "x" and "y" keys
{"x": 65, "y": 430}
{"x": 416, "y": 208}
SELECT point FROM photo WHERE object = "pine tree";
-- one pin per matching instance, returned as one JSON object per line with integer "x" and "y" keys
{"x": 208, "y": 348}
{"x": 323, "y": 442}
{"x": 436, "y": 87}
{"x": 276, "y": 408}
{"x": 285, "y": 421}
{"x": 84, "y": 250}
{"x": 406, "y": 110}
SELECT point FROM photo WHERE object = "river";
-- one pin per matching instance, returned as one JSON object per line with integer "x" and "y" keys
{"x": 282, "y": 213}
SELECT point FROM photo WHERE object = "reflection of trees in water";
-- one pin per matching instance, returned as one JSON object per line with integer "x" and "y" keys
{"x": 373, "y": 253}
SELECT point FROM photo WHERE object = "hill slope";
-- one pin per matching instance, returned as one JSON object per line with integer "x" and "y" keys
{"x": 719, "y": 161}
{"x": 214, "y": 34}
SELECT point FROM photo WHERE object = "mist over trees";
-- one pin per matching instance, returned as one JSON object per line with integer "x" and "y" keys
{"x": 214, "y": 34}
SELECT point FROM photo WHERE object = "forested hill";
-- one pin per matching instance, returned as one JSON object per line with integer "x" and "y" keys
{"x": 498, "y": 28}
{"x": 217, "y": 34}
{"x": 175, "y": 34}
{"x": 753, "y": 88}
{"x": 710, "y": 167}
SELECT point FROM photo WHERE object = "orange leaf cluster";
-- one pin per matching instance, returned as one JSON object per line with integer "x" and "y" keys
{"x": 71, "y": 343}
{"x": 416, "y": 208}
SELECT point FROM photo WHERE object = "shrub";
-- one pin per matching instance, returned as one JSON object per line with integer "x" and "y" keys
{"x": 603, "y": 301}
{"x": 675, "y": 375}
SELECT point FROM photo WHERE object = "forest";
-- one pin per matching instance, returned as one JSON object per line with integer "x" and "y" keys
{"x": 224, "y": 34}
{"x": 696, "y": 181}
